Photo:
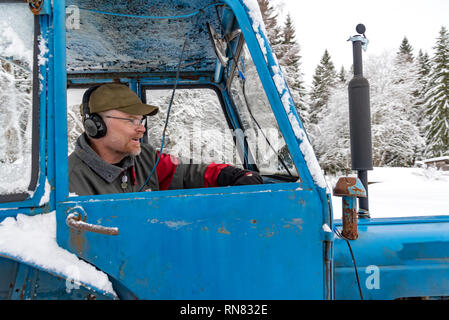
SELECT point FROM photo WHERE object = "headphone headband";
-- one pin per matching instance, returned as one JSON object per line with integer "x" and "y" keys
{"x": 86, "y": 97}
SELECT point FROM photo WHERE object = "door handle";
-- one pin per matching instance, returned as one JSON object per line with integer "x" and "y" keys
{"x": 74, "y": 221}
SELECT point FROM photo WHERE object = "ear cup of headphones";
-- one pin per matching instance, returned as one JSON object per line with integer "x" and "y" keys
{"x": 95, "y": 126}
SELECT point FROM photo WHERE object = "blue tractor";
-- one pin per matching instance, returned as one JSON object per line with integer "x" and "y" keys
{"x": 223, "y": 97}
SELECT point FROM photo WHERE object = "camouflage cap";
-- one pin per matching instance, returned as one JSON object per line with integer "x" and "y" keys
{"x": 119, "y": 97}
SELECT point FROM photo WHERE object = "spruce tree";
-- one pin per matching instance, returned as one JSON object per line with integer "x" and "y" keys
{"x": 405, "y": 52}
{"x": 270, "y": 19}
{"x": 288, "y": 41}
{"x": 324, "y": 79}
{"x": 437, "y": 100}
{"x": 342, "y": 75}
{"x": 407, "y": 86}
{"x": 423, "y": 63}
{"x": 290, "y": 64}
{"x": 405, "y": 68}
{"x": 423, "y": 67}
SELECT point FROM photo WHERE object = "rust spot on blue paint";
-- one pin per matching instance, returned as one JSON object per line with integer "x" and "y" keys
{"x": 223, "y": 230}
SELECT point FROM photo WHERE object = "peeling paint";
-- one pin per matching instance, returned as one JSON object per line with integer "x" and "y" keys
{"x": 223, "y": 230}
{"x": 269, "y": 234}
{"x": 295, "y": 222}
{"x": 176, "y": 224}
{"x": 171, "y": 224}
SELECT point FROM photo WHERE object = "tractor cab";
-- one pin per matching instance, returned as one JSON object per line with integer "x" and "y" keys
{"x": 222, "y": 98}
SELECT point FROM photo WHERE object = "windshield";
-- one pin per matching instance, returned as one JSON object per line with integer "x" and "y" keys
{"x": 265, "y": 140}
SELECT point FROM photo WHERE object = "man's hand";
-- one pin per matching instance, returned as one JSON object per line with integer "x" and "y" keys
{"x": 232, "y": 176}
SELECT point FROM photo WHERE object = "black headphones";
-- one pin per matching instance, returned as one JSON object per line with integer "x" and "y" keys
{"x": 94, "y": 125}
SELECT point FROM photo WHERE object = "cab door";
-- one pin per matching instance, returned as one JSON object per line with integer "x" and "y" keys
{"x": 251, "y": 242}
{"x": 212, "y": 243}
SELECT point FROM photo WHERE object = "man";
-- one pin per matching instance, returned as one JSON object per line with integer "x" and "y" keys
{"x": 109, "y": 157}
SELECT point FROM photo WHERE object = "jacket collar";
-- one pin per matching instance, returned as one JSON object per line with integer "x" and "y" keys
{"x": 105, "y": 170}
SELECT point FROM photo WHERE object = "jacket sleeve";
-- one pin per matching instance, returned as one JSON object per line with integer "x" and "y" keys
{"x": 166, "y": 170}
{"x": 173, "y": 173}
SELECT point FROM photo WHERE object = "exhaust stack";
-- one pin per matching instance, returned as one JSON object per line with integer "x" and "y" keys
{"x": 360, "y": 119}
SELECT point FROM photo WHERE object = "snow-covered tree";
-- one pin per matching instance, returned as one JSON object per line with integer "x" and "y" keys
{"x": 270, "y": 19}
{"x": 405, "y": 52}
{"x": 423, "y": 65}
{"x": 405, "y": 68}
{"x": 324, "y": 79}
{"x": 287, "y": 51}
{"x": 406, "y": 79}
{"x": 436, "y": 99}
{"x": 290, "y": 61}
{"x": 330, "y": 137}
{"x": 395, "y": 137}
{"x": 287, "y": 42}
{"x": 342, "y": 76}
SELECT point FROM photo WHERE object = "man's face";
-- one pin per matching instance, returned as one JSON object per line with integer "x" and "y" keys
{"x": 122, "y": 137}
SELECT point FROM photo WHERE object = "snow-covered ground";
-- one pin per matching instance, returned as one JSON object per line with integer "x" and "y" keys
{"x": 403, "y": 192}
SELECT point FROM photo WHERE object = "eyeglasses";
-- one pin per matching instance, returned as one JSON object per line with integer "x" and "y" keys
{"x": 135, "y": 122}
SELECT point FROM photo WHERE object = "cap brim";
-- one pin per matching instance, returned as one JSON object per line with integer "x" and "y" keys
{"x": 140, "y": 109}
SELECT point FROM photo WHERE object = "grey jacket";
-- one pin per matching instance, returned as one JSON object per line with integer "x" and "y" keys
{"x": 89, "y": 174}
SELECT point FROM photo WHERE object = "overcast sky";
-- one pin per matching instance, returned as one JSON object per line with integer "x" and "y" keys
{"x": 328, "y": 24}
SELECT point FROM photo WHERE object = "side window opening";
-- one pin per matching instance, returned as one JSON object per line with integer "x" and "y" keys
{"x": 199, "y": 127}
{"x": 19, "y": 102}
{"x": 197, "y": 130}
